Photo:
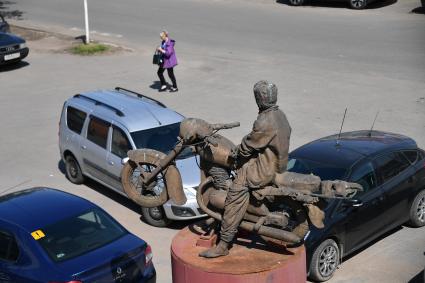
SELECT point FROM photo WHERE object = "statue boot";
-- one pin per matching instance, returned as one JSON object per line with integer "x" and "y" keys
{"x": 221, "y": 249}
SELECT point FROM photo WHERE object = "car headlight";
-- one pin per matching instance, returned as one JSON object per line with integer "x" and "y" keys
{"x": 22, "y": 45}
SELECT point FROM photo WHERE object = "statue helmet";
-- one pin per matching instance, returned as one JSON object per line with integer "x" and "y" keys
{"x": 265, "y": 94}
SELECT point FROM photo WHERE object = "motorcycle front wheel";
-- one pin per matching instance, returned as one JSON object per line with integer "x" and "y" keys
{"x": 152, "y": 195}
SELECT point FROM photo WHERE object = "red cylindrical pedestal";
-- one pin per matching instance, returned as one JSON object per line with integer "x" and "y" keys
{"x": 248, "y": 262}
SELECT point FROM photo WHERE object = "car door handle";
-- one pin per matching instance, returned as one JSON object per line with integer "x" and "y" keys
{"x": 111, "y": 162}
{"x": 83, "y": 147}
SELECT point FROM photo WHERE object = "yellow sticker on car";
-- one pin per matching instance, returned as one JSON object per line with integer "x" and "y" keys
{"x": 37, "y": 235}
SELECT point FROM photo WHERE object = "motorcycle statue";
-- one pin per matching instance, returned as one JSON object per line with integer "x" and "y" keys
{"x": 280, "y": 212}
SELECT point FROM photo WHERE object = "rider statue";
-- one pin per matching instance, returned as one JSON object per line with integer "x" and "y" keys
{"x": 261, "y": 154}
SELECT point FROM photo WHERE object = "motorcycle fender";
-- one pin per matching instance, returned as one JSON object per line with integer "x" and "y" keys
{"x": 145, "y": 155}
{"x": 174, "y": 184}
{"x": 316, "y": 215}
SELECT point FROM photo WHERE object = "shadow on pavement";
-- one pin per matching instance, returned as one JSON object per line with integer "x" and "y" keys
{"x": 340, "y": 4}
{"x": 14, "y": 66}
{"x": 111, "y": 194}
{"x": 4, "y": 10}
{"x": 389, "y": 233}
{"x": 61, "y": 167}
{"x": 419, "y": 10}
{"x": 419, "y": 278}
{"x": 124, "y": 201}
{"x": 155, "y": 85}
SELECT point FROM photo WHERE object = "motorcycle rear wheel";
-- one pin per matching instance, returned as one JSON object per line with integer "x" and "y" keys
{"x": 155, "y": 194}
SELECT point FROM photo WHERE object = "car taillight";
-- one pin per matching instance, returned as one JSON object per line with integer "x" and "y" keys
{"x": 148, "y": 255}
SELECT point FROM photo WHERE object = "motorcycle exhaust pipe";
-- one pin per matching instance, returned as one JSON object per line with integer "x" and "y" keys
{"x": 271, "y": 232}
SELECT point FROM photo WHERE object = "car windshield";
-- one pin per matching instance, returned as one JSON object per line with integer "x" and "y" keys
{"x": 324, "y": 170}
{"x": 162, "y": 139}
{"x": 78, "y": 235}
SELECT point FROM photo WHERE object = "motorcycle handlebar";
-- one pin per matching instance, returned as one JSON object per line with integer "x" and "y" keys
{"x": 225, "y": 126}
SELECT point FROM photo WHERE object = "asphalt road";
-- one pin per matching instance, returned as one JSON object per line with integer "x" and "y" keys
{"x": 323, "y": 58}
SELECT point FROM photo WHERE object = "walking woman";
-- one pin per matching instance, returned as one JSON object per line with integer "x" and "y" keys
{"x": 170, "y": 61}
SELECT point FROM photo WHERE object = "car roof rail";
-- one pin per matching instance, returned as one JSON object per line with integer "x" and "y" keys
{"x": 139, "y": 95}
{"x": 97, "y": 102}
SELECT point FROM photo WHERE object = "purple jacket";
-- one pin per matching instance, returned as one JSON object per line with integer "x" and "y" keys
{"x": 170, "y": 59}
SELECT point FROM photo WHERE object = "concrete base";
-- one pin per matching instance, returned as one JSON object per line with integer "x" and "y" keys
{"x": 248, "y": 262}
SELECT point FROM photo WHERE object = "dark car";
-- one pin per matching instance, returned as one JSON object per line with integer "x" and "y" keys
{"x": 47, "y": 235}
{"x": 12, "y": 48}
{"x": 391, "y": 169}
{"x": 354, "y": 4}
{"x": 4, "y": 26}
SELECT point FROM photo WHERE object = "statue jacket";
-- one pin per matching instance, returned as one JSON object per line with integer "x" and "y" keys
{"x": 264, "y": 151}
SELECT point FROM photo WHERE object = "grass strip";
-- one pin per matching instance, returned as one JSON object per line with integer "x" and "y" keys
{"x": 89, "y": 49}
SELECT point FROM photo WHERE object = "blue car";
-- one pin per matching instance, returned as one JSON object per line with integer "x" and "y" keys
{"x": 12, "y": 47}
{"x": 47, "y": 235}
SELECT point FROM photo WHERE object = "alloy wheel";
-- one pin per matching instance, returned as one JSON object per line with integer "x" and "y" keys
{"x": 421, "y": 209}
{"x": 156, "y": 213}
{"x": 155, "y": 188}
{"x": 296, "y": 2}
{"x": 358, "y": 4}
{"x": 73, "y": 170}
{"x": 328, "y": 261}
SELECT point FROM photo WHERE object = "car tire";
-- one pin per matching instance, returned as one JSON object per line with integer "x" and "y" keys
{"x": 325, "y": 261}
{"x": 155, "y": 216}
{"x": 296, "y": 2}
{"x": 73, "y": 170}
{"x": 417, "y": 210}
{"x": 358, "y": 4}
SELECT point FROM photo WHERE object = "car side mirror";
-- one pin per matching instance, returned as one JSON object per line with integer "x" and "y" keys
{"x": 353, "y": 202}
{"x": 124, "y": 160}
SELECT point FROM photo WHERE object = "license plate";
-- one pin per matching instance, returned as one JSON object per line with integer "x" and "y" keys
{"x": 11, "y": 56}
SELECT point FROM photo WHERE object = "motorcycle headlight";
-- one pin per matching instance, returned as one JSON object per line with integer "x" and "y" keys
{"x": 22, "y": 45}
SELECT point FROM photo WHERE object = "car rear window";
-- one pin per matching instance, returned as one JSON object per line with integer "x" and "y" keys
{"x": 75, "y": 119}
{"x": 8, "y": 247}
{"x": 80, "y": 234}
{"x": 411, "y": 155}
{"x": 325, "y": 171}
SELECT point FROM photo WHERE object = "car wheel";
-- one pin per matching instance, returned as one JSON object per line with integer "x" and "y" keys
{"x": 417, "y": 210}
{"x": 73, "y": 170}
{"x": 358, "y": 4}
{"x": 155, "y": 216}
{"x": 324, "y": 261}
{"x": 296, "y": 2}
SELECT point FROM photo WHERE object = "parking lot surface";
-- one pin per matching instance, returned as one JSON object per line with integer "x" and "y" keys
{"x": 316, "y": 83}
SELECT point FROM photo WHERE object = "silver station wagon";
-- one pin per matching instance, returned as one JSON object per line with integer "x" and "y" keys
{"x": 97, "y": 129}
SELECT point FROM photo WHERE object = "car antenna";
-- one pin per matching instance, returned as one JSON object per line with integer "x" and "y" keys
{"x": 340, "y": 130}
{"x": 373, "y": 124}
